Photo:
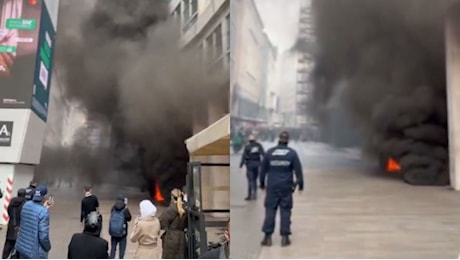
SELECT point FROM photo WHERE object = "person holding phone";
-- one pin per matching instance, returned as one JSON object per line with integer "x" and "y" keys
{"x": 146, "y": 232}
{"x": 33, "y": 240}
{"x": 118, "y": 226}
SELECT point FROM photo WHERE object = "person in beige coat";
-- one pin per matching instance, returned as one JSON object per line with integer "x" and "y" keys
{"x": 146, "y": 232}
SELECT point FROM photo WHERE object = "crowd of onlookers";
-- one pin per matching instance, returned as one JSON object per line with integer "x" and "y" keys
{"x": 28, "y": 237}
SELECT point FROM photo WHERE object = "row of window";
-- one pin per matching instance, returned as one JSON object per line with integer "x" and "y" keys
{"x": 217, "y": 43}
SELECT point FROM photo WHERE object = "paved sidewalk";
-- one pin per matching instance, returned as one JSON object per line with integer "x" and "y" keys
{"x": 348, "y": 210}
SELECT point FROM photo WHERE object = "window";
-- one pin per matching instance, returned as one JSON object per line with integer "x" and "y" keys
{"x": 218, "y": 43}
{"x": 190, "y": 13}
{"x": 194, "y": 6}
{"x": 228, "y": 26}
{"x": 210, "y": 49}
{"x": 177, "y": 12}
{"x": 187, "y": 14}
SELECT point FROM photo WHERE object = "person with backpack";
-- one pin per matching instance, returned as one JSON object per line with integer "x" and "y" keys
{"x": 118, "y": 226}
{"x": 14, "y": 213}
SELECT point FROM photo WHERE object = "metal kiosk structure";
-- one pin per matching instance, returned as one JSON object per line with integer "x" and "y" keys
{"x": 204, "y": 147}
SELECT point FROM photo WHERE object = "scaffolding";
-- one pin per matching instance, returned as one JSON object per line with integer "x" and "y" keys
{"x": 304, "y": 63}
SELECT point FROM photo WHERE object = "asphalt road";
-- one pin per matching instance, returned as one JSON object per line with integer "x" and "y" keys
{"x": 350, "y": 210}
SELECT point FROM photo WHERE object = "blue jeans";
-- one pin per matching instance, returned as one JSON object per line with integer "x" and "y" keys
{"x": 114, "y": 242}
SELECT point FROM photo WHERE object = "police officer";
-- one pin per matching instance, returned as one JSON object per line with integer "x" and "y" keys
{"x": 278, "y": 166}
{"x": 252, "y": 156}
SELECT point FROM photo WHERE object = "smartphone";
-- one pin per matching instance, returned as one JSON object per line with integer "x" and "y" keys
{"x": 126, "y": 201}
{"x": 50, "y": 200}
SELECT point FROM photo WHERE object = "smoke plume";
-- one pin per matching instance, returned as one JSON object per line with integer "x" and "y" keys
{"x": 123, "y": 63}
{"x": 386, "y": 58}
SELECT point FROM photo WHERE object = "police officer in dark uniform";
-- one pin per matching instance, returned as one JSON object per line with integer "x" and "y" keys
{"x": 278, "y": 167}
{"x": 252, "y": 156}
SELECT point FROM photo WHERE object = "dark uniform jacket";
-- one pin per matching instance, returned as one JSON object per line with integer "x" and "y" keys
{"x": 87, "y": 246}
{"x": 277, "y": 169}
{"x": 14, "y": 212}
{"x": 252, "y": 154}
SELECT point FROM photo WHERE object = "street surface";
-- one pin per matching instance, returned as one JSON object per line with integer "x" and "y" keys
{"x": 349, "y": 210}
{"x": 65, "y": 218}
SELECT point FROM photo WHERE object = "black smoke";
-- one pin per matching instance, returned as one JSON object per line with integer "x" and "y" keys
{"x": 385, "y": 59}
{"x": 122, "y": 62}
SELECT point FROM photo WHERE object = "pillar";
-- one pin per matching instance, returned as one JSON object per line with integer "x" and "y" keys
{"x": 452, "y": 31}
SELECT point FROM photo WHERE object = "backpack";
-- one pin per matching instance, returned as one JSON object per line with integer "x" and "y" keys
{"x": 117, "y": 226}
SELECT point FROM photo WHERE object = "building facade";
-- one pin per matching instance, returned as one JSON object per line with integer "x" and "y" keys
{"x": 272, "y": 85}
{"x": 205, "y": 25}
{"x": 248, "y": 74}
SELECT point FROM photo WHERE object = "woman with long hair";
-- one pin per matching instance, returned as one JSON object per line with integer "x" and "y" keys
{"x": 146, "y": 232}
{"x": 174, "y": 222}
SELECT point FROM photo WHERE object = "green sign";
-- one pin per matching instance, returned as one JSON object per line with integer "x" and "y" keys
{"x": 21, "y": 24}
{"x": 7, "y": 49}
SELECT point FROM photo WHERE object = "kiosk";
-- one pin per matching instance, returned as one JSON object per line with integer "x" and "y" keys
{"x": 212, "y": 141}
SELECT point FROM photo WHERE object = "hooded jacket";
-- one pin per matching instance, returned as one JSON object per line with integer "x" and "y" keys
{"x": 120, "y": 205}
{"x": 14, "y": 213}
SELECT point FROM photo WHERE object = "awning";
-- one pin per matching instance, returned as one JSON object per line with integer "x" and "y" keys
{"x": 213, "y": 140}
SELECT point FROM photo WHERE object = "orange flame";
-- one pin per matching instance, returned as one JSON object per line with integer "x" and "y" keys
{"x": 157, "y": 194}
{"x": 393, "y": 165}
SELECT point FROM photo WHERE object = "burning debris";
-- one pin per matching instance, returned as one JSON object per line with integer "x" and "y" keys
{"x": 392, "y": 165}
{"x": 386, "y": 59}
{"x": 121, "y": 61}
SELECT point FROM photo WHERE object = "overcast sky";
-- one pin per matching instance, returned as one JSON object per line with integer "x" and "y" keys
{"x": 280, "y": 18}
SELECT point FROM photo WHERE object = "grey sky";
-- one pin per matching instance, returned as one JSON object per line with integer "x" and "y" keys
{"x": 280, "y": 18}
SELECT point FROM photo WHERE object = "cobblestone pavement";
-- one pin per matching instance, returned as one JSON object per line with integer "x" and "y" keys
{"x": 349, "y": 210}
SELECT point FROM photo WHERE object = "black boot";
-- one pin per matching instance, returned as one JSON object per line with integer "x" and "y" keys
{"x": 285, "y": 241}
{"x": 267, "y": 241}
{"x": 247, "y": 198}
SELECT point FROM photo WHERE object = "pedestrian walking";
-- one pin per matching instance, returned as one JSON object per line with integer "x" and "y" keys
{"x": 278, "y": 167}
{"x": 89, "y": 204}
{"x": 252, "y": 156}
{"x": 174, "y": 221}
{"x": 89, "y": 244}
{"x": 146, "y": 232}
{"x": 118, "y": 227}
{"x": 14, "y": 214}
{"x": 33, "y": 240}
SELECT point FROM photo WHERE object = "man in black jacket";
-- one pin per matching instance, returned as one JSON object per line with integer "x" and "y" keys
{"x": 89, "y": 204}
{"x": 14, "y": 213}
{"x": 89, "y": 244}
